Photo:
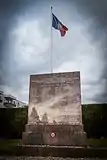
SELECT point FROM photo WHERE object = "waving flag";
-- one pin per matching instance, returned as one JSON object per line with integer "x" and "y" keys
{"x": 58, "y": 25}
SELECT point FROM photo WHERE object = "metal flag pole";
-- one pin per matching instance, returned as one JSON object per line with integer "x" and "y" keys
{"x": 51, "y": 45}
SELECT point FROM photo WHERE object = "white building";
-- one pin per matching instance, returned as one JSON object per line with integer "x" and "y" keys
{"x": 1, "y": 99}
{"x": 10, "y": 101}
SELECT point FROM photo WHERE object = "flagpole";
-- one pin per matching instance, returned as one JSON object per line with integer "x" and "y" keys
{"x": 51, "y": 45}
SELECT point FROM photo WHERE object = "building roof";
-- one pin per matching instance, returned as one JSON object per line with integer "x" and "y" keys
{"x": 1, "y": 92}
{"x": 10, "y": 97}
{"x": 22, "y": 103}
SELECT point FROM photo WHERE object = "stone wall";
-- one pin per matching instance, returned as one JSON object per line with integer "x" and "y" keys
{"x": 62, "y": 135}
{"x": 58, "y": 95}
{"x": 54, "y": 114}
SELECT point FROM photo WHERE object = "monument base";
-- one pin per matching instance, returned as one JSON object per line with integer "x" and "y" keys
{"x": 55, "y": 135}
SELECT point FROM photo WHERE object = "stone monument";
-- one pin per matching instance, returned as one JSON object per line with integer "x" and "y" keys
{"x": 54, "y": 113}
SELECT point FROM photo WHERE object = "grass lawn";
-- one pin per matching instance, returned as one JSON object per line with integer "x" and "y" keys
{"x": 97, "y": 142}
{"x": 7, "y": 144}
{"x": 8, "y": 147}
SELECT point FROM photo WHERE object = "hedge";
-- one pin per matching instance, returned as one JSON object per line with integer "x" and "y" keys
{"x": 13, "y": 120}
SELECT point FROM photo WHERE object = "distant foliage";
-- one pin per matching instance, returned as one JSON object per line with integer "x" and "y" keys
{"x": 13, "y": 121}
{"x": 95, "y": 120}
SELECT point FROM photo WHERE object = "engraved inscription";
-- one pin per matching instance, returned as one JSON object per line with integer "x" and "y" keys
{"x": 58, "y": 95}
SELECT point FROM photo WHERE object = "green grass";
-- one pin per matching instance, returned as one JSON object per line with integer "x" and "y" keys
{"x": 8, "y": 145}
{"x": 97, "y": 142}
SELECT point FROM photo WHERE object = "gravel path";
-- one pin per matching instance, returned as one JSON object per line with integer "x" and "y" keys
{"x": 46, "y": 158}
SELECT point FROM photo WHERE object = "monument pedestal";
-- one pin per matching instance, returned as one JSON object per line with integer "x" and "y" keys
{"x": 57, "y": 99}
{"x": 55, "y": 135}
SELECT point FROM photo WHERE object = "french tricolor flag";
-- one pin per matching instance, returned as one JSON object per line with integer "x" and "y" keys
{"x": 58, "y": 25}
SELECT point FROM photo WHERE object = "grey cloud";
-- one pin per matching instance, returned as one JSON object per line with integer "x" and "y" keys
{"x": 14, "y": 75}
{"x": 100, "y": 97}
{"x": 8, "y": 10}
{"x": 98, "y": 10}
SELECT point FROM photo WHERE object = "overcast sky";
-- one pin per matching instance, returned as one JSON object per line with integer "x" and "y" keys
{"x": 25, "y": 44}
